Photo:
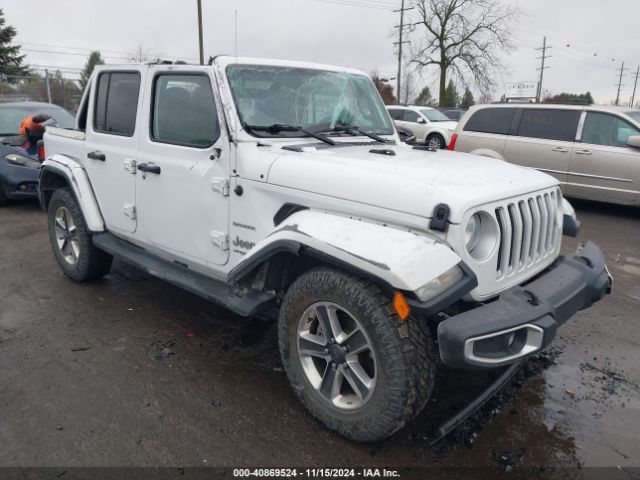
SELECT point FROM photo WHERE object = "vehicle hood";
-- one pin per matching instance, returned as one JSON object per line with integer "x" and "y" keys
{"x": 446, "y": 125}
{"x": 413, "y": 181}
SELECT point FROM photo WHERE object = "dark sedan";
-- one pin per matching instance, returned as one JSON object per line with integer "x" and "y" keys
{"x": 19, "y": 170}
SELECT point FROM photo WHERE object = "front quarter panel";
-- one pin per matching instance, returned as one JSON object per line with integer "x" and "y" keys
{"x": 399, "y": 258}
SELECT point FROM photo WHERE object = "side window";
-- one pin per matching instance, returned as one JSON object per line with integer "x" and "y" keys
{"x": 604, "y": 129}
{"x": 116, "y": 103}
{"x": 549, "y": 124}
{"x": 184, "y": 111}
{"x": 410, "y": 116}
{"x": 491, "y": 120}
{"x": 395, "y": 113}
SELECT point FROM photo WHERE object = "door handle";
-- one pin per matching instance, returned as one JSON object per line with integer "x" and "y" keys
{"x": 583, "y": 152}
{"x": 97, "y": 156}
{"x": 560, "y": 149}
{"x": 149, "y": 168}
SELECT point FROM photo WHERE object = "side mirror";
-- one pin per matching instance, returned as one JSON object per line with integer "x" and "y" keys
{"x": 421, "y": 120}
{"x": 634, "y": 141}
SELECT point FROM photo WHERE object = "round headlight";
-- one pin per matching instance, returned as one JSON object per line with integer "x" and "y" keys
{"x": 472, "y": 232}
{"x": 481, "y": 236}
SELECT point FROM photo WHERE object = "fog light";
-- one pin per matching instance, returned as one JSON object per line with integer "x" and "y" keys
{"x": 504, "y": 346}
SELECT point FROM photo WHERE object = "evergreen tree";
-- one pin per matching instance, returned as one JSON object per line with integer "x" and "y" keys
{"x": 451, "y": 96}
{"x": 10, "y": 57}
{"x": 424, "y": 98}
{"x": 95, "y": 58}
{"x": 467, "y": 100}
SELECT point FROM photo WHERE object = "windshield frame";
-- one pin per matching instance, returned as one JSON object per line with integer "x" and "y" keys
{"x": 286, "y": 134}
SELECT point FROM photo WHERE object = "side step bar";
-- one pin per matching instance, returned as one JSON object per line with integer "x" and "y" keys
{"x": 237, "y": 299}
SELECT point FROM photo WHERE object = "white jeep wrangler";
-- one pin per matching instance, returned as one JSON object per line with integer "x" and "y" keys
{"x": 261, "y": 184}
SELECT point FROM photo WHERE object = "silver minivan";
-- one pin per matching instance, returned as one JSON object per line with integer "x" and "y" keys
{"x": 594, "y": 151}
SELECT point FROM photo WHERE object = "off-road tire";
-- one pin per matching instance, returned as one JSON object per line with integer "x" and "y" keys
{"x": 432, "y": 138}
{"x": 91, "y": 263}
{"x": 404, "y": 355}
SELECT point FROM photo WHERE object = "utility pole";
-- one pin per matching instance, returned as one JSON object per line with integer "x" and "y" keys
{"x": 400, "y": 43}
{"x": 620, "y": 85}
{"x": 200, "y": 32}
{"x": 633, "y": 97}
{"x": 47, "y": 84}
{"x": 542, "y": 66}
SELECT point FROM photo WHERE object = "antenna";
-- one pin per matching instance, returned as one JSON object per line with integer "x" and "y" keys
{"x": 236, "y": 34}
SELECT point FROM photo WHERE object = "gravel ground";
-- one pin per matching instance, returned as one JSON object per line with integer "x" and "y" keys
{"x": 132, "y": 371}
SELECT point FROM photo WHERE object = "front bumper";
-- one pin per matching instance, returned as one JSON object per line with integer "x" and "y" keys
{"x": 524, "y": 319}
{"x": 19, "y": 182}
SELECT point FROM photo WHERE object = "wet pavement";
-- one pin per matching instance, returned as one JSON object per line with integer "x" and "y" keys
{"x": 132, "y": 371}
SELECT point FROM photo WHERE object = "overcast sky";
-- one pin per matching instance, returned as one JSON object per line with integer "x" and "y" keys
{"x": 590, "y": 38}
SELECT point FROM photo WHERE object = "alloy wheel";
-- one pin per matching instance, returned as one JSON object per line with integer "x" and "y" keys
{"x": 336, "y": 355}
{"x": 66, "y": 236}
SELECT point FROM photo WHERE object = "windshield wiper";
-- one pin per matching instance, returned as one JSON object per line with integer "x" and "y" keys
{"x": 353, "y": 130}
{"x": 278, "y": 127}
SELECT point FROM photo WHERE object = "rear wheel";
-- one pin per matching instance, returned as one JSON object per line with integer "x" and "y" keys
{"x": 351, "y": 361}
{"x": 70, "y": 239}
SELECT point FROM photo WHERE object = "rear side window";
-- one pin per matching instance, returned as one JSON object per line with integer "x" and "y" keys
{"x": 549, "y": 124}
{"x": 116, "y": 103}
{"x": 491, "y": 120}
{"x": 184, "y": 111}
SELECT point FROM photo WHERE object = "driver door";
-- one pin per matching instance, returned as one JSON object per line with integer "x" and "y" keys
{"x": 183, "y": 170}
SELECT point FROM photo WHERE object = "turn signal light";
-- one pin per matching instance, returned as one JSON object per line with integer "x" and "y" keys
{"x": 401, "y": 306}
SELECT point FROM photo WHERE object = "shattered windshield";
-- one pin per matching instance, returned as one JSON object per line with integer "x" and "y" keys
{"x": 311, "y": 99}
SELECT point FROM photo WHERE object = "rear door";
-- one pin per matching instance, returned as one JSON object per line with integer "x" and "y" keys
{"x": 544, "y": 140}
{"x": 603, "y": 166}
{"x": 183, "y": 169}
{"x": 111, "y": 146}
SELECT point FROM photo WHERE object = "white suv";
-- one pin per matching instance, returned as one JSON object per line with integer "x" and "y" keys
{"x": 265, "y": 184}
{"x": 430, "y": 126}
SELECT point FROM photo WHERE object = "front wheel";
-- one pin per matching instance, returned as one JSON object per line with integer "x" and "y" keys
{"x": 71, "y": 241}
{"x": 435, "y": 141}
{"x": 351, "y": 361}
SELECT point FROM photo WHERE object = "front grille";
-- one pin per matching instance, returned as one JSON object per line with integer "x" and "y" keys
{"x": 529, "y": 231}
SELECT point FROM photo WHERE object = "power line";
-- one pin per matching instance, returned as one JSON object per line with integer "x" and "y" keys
{"x": 542, "y": 67}
{"x": 358, "y": 3}
{"x": 70, "y": 53}
{"x": 120, "y": 52}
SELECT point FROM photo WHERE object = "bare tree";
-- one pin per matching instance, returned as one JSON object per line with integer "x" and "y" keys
{"x": 464, "y": 38}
